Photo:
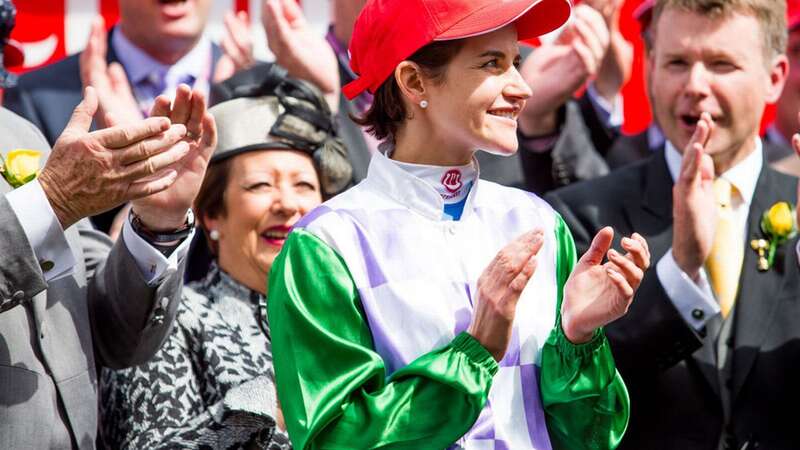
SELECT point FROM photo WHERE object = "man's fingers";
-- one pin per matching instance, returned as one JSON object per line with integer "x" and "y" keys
{"x": 182, "y": 106}
{"x": 81, "y": 119}
{"x": 194, "y": 126}
{"x": 151, "y": 146}
{"x": 209, "y": 137}
{"x": 152, "y": 186}
{"x": 586, "y": 56}
{"x": 590, "y": 37}
{"x": 119, "y": 80}
{"x": 145, "y": 169}
{"x": 125, "y": 135}
{"x": 231, "y": 49}
{"x": 292, "y": 12}
{"x": 161, "y": 107}
{"x": 600, "y": 245}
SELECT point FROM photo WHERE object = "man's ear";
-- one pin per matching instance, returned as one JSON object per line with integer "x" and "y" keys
{"x": 778, "y": 72}
{"x": 411, "y": 82}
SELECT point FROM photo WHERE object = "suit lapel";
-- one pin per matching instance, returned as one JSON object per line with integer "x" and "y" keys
{"x": 759, "y": 292}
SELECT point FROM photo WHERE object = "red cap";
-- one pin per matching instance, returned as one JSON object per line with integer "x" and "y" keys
{"x": 793, "y": 14}
{"x": 13, "y": 56}
{"x": 389, "y": 31}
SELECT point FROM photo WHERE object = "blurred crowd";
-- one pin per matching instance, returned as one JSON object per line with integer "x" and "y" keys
{"x": 154, "y": 178}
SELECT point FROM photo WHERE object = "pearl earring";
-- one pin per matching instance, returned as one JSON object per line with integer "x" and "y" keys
{"x": 213, "y": 235}
{"x": 423, "y": 104}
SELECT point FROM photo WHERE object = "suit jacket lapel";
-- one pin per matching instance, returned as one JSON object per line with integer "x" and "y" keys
{"x": 759, "y": 292}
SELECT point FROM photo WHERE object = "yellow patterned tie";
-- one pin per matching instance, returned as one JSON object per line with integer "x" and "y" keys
{"x": 725, "y": 262}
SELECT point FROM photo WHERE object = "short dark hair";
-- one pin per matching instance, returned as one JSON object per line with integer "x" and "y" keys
{"x": 388, "y": 111}
{"x": 210, "y": 200}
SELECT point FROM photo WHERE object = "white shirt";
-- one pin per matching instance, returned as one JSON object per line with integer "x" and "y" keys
{"x": 44, "y": 233}
{"x": 685, "y": 294}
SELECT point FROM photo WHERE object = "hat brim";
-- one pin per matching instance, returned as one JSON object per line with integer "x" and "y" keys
{"x": 531, "y": 18}
{"x": 13, "y": 55}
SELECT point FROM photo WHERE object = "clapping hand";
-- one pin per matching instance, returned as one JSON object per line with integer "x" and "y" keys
{"x": 88, "y": 173}
{"x": 115, "y": 98}
{"x": 595, "y": 293}
{"x": 693, "y": 203}
{"x": 166, "y": 210}
{"x": 237, "y": 46}
{"x": 296, "y": 46}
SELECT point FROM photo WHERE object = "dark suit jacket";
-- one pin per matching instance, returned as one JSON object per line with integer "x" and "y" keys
{"x": 47, "y": 97}
{"x": 55, "y": 335}
{"x": 668, "y": 367}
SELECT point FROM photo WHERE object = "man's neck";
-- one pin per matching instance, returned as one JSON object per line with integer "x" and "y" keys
{"x": 726, "y": 160}
{"x": 166, "y": 51}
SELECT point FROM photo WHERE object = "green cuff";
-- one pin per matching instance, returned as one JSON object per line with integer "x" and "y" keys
{"x": 475, "y": 352}
{"x": 570, "y": 350}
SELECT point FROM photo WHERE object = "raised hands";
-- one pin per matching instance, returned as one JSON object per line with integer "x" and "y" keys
{"x": 88, "y": 173}
{"x": 595, "y": 293}
{"x": 237, "y": 46}
{"x": 693, "y": 203}
{"x": 499, "y": 288}
{"x": 299, "y": 49}
{"x": 555, "y": 71}
{"x": 109, "y": 81}
{"x": 166, "y": 209}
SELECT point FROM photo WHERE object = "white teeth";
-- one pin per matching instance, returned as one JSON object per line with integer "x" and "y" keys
{"x": 507, "y": 115}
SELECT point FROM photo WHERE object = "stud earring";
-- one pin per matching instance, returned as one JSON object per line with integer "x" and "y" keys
{"x": 213, "y": 235}
{"x": 423, "y": 104}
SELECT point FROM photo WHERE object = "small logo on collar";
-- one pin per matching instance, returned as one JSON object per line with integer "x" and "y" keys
{"x": 451, "y": 180}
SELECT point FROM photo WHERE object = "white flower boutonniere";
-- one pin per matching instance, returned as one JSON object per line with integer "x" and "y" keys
{"x": 20, "y": 166}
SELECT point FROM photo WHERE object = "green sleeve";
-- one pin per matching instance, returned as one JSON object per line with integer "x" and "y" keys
{"x": 585, "y": 400}
{"x": 332, "y": 384}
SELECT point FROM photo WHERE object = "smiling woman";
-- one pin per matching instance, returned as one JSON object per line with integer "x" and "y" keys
{"x": 212, "y": 383}
{"x": 425, "y": 289}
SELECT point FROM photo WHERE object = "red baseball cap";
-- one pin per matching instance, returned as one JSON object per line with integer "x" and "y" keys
{"x": 389, "y": 31}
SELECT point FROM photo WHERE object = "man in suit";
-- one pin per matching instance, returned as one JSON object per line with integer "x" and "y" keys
{"x": 70, "y": 301}
{"x": 710, "y": 349}
{"x": 156, "y": 46}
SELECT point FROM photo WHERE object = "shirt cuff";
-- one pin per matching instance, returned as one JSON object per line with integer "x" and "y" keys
{"x": 797, "y": 251}
{"x": 43, "y": 230}
{"x": 153, "y": 265}
{"x": 610, "y": 113}
{"x": 694, "y": 301}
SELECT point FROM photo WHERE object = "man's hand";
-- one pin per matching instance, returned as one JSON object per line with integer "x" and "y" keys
{"x": 165, "y": 210}
{"x": 237, "y": 46}
{"x": 693, "y": 204}
{"x": 596, "y": 294}
{"x": 109, "y": 81}
{"x": 615, "y": 69}
{"x": 88, "y": 173}
{"x": 302, "y": 52}
{"x": 555, "y": 71}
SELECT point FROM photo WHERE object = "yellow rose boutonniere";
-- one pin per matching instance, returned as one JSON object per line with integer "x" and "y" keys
{"x": 779, "y": 224}
{"x": 20, "y": 166}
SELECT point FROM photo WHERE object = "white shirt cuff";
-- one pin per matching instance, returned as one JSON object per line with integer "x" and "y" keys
{"x": 43, "y": 230}
{"x": 153, "y": 265}
{"x": 797, "y": 251}
{"x": 610, "y": 113}
{"x": 694, "y": 301}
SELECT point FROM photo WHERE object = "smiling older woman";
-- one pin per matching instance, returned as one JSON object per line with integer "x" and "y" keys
{"x": 212, "y": 384}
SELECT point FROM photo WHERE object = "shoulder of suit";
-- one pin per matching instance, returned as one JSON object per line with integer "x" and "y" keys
{"x": 18, "y": 132}
{"x": 59, "y": 75}
{"x": 616, "y": 187}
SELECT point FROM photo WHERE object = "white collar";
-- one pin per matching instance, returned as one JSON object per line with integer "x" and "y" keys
{"x": 743, "y": 175}
{"x": 409, "y": 190}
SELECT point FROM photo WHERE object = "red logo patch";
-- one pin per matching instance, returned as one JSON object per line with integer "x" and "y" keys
{"x": 451, "y": 180}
